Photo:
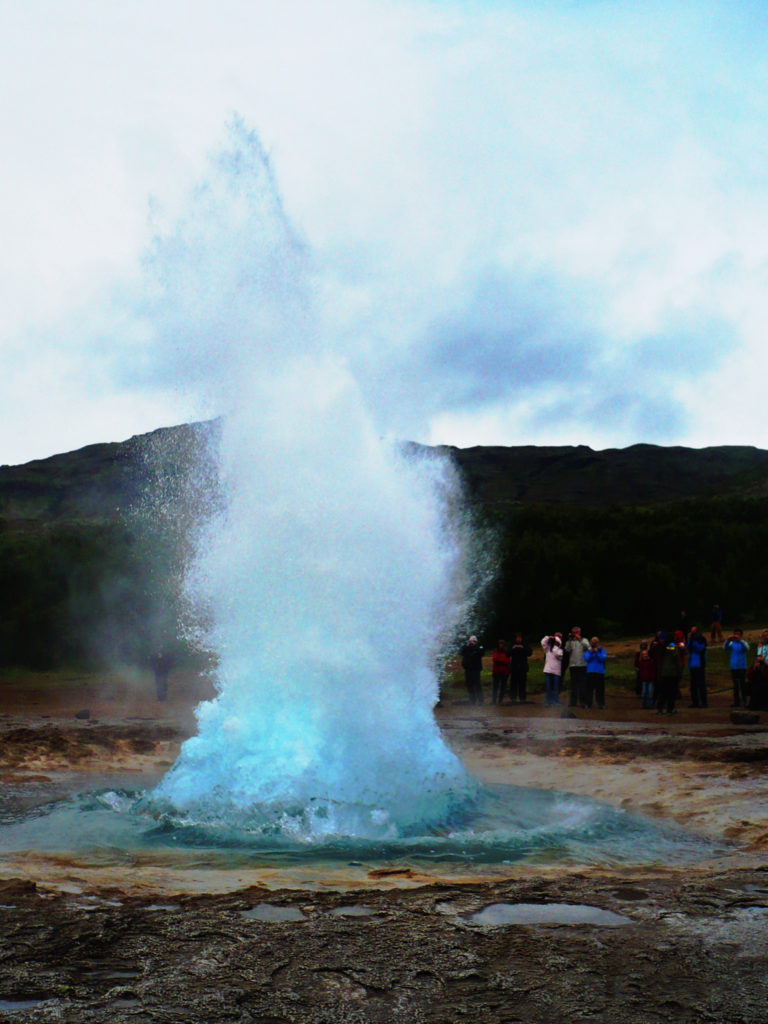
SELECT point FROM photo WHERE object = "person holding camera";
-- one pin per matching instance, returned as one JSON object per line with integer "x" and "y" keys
{"x": 737, "y": 647}
{"x": 553, "y": 667}
{"x": 595, "y": 658}
{"x": 576, "y": 647}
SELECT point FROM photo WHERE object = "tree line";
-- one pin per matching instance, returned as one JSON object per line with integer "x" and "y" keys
{"x": 626, "y": 569}
{"x": 89, "y": 594}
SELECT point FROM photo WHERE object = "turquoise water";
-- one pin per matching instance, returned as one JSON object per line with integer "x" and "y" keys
{"x": 500, "y": 825}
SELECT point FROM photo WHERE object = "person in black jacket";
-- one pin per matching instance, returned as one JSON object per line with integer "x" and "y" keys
{"x": 519, "y": 653}
{"x": 472, "y": 662}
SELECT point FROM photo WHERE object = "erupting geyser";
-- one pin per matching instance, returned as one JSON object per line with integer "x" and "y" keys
{"x": 333, "y": 571}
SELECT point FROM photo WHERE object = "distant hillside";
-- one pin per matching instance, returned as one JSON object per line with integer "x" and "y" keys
{"x": 104, "y": 481}
{"x": 94, "y": 543}
{"x": 99, "y": 483}
{"x": 643, "y": 474}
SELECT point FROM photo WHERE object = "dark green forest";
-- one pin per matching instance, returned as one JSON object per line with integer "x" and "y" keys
{"x": 94, "y": 544}
{"x": 627, "y": 570}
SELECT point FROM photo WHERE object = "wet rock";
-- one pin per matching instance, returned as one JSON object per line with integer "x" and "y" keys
{"x": 694, "y": 951}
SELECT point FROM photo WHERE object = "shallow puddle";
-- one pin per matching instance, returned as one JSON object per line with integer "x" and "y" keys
{"x": 108, "y": 975}
{"x": 353, "y": 910}
{"x": 546, "y": 913}
{"x": 19, "y": 1005}
{"x": 270, "y": 912}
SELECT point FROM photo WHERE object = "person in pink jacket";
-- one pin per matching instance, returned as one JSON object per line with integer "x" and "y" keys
{"x": 553, "y": 667}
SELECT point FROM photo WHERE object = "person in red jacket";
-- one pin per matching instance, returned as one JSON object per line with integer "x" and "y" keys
{"x": 645, "y": 667}
{"x": 499, "y": 672}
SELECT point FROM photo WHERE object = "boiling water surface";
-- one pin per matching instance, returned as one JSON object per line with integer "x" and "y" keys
{"x": 500, "y": 825}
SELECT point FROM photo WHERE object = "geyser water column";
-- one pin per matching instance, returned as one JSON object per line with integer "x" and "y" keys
{"x": 333, "y": 573}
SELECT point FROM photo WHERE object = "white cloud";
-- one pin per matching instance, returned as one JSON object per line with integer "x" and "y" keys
{"x": 616, "y": 153}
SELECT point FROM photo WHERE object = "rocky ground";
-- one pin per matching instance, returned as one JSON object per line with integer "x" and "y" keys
{"x": 140, "y": 938}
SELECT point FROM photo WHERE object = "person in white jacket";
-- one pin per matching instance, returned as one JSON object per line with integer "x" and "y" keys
{"x": 553, "y": 667}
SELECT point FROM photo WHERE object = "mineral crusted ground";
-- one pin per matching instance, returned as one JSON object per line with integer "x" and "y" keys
{"x": 139, "y": 938}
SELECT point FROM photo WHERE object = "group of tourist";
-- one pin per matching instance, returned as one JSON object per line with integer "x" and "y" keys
{"x": 509, "y": 666}
{"x": 659, "y": 668}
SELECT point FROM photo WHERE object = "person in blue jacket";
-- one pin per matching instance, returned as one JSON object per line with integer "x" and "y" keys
{"x": 697, "y": 665}
{"x": 737, "y": 646}
{"x": 594, "y": 656}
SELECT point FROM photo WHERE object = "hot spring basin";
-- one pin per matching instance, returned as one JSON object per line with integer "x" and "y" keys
{"x": 505, "y": 825}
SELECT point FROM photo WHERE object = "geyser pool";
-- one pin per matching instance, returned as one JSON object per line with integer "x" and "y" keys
{"x": 507, "y": 825}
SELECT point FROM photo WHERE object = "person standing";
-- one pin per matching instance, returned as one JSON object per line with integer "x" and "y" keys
{"x": 757, "y": 677}
{"x": 737, "y": 647}
{"x": 595, "y": 658}
{"x": 670, "y": 674}
{"x": 499, "y": 671}
{"x": 161, "y": 663}
{"x": 656, "y": 650}
{"x": 553, "y": 667}
{"x": 519, "y": 653}
{"x": 697, "y": 666}
{"x": 645, "y": 667}
{"x": 472, "y": 662}
{"x": 576, "y": 647}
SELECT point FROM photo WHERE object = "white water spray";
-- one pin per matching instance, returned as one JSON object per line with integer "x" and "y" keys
{"x": 334, "y": 572}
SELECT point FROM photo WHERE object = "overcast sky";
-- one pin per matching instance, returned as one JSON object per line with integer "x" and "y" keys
{"x": 530, "y": 222}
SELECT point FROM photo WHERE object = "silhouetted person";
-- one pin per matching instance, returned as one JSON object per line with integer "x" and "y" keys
{"x": 161, "y": 663}
{"x": 682, "y": 625}
{"x": 670, "y": 673}
{"x": 519, "y": 653}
